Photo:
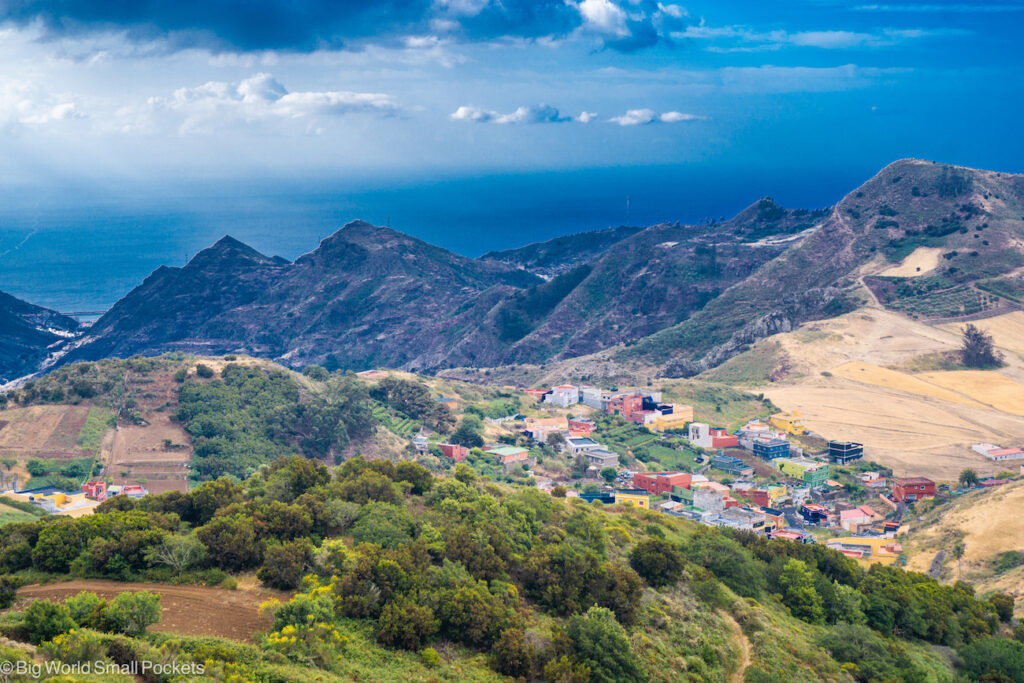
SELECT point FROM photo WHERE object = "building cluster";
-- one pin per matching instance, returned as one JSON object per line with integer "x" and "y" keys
{"x": 803, "y": 504}
{"x": 74, "y": 503}
{"x": 808, "y": 500}
{"x": 642, "y": 407}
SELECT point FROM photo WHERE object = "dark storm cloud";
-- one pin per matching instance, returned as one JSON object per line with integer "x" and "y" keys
{"x": 302, "y": 25}
{"x": 307, "y": 25}
{"x": 523, "y": 18}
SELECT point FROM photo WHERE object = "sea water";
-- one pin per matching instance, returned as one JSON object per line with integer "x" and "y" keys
{"x": 78, "y": 247}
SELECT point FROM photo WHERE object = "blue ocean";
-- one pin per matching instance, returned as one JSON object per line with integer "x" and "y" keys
{"x": 80, "y": 247}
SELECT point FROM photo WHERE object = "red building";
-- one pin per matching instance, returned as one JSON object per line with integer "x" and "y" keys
{"x": 660, "y": 483}
{"x": 757, "y": 497}
{"x": 581, "y": 425}
{"x": 454, "y": 451}
{"x": 915, "y": 488}
{"x": 625, "y": 406}
{"x": 96, "y": 490}
{"x": 723, "y": 439}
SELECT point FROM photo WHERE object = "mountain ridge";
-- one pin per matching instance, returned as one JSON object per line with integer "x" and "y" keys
{"x": 683, "y": 298}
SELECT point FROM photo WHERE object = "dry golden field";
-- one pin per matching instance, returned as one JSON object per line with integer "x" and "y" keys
{"x": 988, "y": 523}
{"x": 1007, "y": 330}
{"x": 847, "y": 380}
{"x": 921, "y": 261}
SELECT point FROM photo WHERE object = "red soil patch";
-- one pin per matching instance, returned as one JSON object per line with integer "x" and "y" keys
{"x": 188, "y": 610}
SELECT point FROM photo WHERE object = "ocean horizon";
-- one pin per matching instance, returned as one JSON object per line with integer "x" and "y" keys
{"x": 79, "y": 249}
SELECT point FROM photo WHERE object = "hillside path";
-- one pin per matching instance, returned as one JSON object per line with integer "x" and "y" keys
{"x": 745, "y": 648}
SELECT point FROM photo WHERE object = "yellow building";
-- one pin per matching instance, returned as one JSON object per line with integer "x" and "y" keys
{"x": 791, "y": 422}
{"x": 872, "y": 549}
{"x": 638, "y": 497}
{"x": 56, "y": 502}
{"x": 776, "y": 494}
{"x": 677, "y": 419}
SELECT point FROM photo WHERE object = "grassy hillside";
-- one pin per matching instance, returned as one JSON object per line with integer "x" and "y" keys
{"x": 402, "y": 576}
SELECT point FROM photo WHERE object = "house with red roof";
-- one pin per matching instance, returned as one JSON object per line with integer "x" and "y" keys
{"x": 913, "y": 488}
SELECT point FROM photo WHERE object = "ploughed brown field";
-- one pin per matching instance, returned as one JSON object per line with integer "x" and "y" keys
{"x": 188, "y": 610}
{"x": 42, "y": 431}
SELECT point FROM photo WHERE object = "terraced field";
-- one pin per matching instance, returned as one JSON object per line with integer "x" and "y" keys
{"x": 400, "y": 424}
{"x": 157, "y": 453}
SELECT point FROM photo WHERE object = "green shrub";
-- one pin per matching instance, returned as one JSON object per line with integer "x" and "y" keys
{"x": 430, "y": 657}
{"x": 600, "y": 643}
{"x": 8, "y": 590}
{"x": 405, "y": 624}
{"x": 657, "y": 561}
{"x": 994, "y": 658}
{"x": 44, "y": 620}
{"x": 85, "y": 607}
{"x": 79, "y": 645}
{"x": 513, "y": 655}
{"x": 284, "y": 564}
{"x": 132, "y": 613}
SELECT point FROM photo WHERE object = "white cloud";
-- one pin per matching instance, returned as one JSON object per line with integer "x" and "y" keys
{"x": 261, "y": 88}
{"x": 540, "y": 113}
{"x": 23, "y": 103}
{"x": 603, "y": 16}
{"x": 676, "y": 117}
{"x": 640, "y": 117}
{"x": 260, "y": 97}
{"x": 586, "y": 116}
{"x": 467, "y": 113}
{"x": 744, "y": 39}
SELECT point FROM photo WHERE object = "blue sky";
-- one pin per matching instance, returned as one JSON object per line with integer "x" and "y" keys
{"x": 153, "y": 91}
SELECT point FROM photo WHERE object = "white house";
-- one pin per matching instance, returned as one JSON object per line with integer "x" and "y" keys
{"x": 564, "y": 396}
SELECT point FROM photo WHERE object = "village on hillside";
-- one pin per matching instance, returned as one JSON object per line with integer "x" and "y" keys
{"x": 772, "y": 476}
{"x": 767, "y": 474}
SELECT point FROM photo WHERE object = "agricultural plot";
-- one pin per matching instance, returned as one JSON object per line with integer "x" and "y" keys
{"x": 188, "y": 610}
{"x": 921, "y": 261}
{"x": 946, "y": 304}
{"x": 866, "y": 373}
{"x": 48, "y": 432}
{"x": 157, "y": 453}
{"x": 1008, "y": 287}
{"x": 396, "y": 422}
{"x": 985, "y": 387}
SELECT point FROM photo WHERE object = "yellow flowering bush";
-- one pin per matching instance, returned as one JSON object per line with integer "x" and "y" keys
{"x": 77, "y": 645}
{"x": 315, "y": 642}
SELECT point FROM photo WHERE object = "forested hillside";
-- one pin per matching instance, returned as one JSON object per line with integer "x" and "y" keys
{"x": 400, "y": 574}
